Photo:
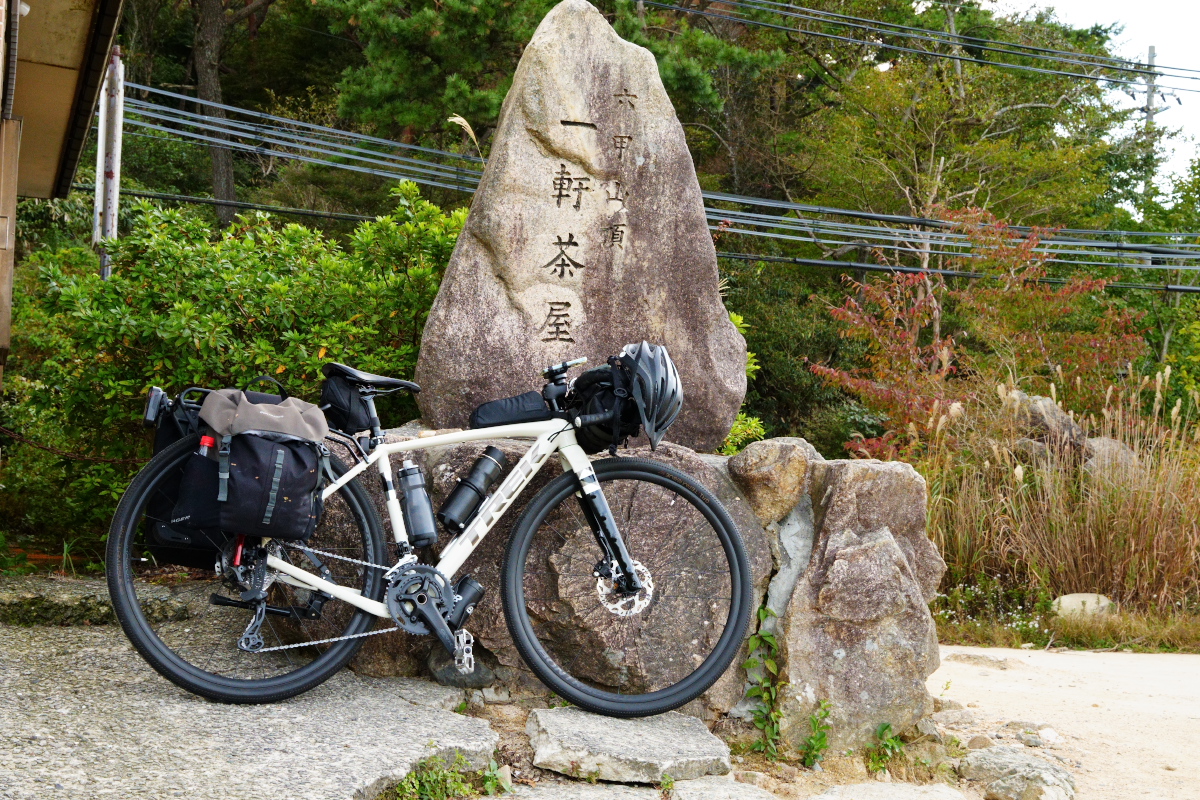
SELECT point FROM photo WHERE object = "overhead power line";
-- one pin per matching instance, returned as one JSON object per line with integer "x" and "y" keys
{"x": 813, "y": 262}
{"x": 902, "y": 49}
{"x": 283, "y": 139}
{"x": 932, "y": 223}
{"x": 965, "y": 40}
{"x": 396, "y": 173}
{"x": 212, "y": 201}
{"x": 296, "y": 122}
{"x": 935, "y": 237}
{"x": 716, "y": 196}
{"x": 277, "y": 134}
{"x": 932, "y": 237}
{"x": 925, "y": 35}
{"x": 817, "y": 262}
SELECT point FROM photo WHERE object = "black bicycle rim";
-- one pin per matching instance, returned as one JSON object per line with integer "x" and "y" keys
{"x": 547, "y": 666}
{"x": 180, "y": 670}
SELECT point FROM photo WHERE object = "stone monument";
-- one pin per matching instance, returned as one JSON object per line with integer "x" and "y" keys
{"x": 587, "y": 233}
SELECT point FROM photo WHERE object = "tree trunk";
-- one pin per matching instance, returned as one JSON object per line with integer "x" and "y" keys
{"x": 209, "y": 41}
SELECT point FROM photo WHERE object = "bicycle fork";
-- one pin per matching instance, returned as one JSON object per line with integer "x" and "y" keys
{"x": 604, "y": 527}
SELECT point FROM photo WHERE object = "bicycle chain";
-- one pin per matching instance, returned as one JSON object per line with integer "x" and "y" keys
{"x": 327, "y": 641}
{"x": 333, "y": 555}
{"x": 335, "y": 638}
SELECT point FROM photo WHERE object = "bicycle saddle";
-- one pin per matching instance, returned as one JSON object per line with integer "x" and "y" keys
{"x": 366, "y": 378}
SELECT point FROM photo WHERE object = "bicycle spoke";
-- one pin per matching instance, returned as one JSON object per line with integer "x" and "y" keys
{"x": 207, "y": 635}
{"x": 685, "y": 560}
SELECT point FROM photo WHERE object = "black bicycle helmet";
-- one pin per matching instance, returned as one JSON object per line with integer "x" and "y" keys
{"x": 655, "y": 387}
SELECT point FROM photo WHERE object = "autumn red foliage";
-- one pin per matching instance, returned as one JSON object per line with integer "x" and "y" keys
{"x": 1010, "y": 326}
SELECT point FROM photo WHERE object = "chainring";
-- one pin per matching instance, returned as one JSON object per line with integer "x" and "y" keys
{"x": 404, "y": 587}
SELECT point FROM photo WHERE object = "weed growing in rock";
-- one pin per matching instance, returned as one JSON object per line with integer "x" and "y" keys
{"x": 494, "y": 779}
{"x": 666, "y": 786}
{"x": 890, "y": 746}
{"x": 433, "y": 780}
{"x": 817, "y": 741}
{"x": 764, "y": 674}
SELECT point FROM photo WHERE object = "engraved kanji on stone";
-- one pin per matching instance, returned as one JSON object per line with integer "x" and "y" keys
{"x": 614, "y": 235}
{"x": 621, "y": 142}
{"x": 562, "y": 263}
{"x": 617, "y": 195}
{"x": 565, "y": 184}
{"x": 557, "y": 327}
{"x": 625, "y": 97}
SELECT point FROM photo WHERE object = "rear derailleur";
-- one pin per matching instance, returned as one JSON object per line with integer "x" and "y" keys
{"x": 422, "y": 601}
{"x": 244, "y": 569}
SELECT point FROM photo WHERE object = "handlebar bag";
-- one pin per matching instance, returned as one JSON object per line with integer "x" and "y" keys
{"x": 594, "y": 392}
{"x": 265, "y": 479}
{"x": 528, "y": 407}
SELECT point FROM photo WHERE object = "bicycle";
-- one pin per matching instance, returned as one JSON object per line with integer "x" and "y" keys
{"x": 603, "y": 560}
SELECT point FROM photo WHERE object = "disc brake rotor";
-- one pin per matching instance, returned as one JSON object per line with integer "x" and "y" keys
{"x": 626, "y": 605}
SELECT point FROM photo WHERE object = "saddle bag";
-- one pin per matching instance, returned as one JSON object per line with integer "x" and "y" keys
{"x": 344, "y": 407}
{"x": 262, "y": 474}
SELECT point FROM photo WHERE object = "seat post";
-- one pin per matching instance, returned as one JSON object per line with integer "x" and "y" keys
{"x": 376, "y": 427}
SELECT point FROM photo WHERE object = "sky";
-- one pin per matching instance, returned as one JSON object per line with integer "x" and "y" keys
{"x": 1172, "y": 26}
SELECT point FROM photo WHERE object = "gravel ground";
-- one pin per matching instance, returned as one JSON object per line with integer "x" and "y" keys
{"x": 115, "y": 729}
{"x": 1128, "y": 721}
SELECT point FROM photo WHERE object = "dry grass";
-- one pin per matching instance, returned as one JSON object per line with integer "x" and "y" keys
{"x": 1140, "y": 632}
{"x": 1047, "y": 526}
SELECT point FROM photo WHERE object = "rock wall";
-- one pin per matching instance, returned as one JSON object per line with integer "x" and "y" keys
{"x": 587, "y": 233}
{"x": 855, "y": 572}
{"x": 838, "y": 551}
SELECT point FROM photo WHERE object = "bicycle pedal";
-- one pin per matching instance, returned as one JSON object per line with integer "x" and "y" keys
{"x": 464, "y": 656}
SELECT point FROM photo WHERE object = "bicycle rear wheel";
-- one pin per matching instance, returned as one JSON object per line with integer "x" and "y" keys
{"x": 172, "y": 616}
{"x": 627, "y": 656}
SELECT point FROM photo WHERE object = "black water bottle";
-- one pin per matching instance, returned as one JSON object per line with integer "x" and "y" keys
{"x": 417, "y": 507}
{"x": 463, "y": 503}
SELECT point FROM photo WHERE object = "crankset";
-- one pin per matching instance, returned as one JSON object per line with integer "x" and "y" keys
{"x": 420, "y": 599}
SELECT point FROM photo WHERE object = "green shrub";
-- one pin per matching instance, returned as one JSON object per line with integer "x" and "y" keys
{"x": 745, "y": 430}
{"x": 184, "y": 308}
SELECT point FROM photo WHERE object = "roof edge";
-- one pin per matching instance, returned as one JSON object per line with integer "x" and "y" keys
{"x": 104, "y": 31}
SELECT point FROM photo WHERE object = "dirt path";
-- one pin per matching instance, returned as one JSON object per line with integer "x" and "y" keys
{"x": 1131, "y": 721}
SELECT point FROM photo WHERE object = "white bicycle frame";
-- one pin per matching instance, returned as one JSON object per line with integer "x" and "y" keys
{"x": 548, "y": 437}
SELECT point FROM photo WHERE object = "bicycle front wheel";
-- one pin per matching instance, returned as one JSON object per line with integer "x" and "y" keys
{"x": 186, "y": 621}
{"x": 638, "y": 655}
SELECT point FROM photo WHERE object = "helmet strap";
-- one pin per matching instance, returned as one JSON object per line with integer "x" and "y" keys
{"x": 620, "y": 379}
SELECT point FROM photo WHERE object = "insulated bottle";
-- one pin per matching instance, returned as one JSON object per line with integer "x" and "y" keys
{"x": 464, "y": 502}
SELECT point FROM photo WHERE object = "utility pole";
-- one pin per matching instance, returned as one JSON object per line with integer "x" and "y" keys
{"x": 108, "y": 159}
{"x": 1151, "y": 94}
{"x": 1167, "y": 321}
{"x": 10, "y": 145}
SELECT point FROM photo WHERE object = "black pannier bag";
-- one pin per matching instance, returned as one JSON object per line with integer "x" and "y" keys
{"x": 344, "y": 407}
{"x": 528, "y": 407}
{"x": 263, "y": 477}
{"x": 595, "y": 392}
{"x": 187, "y": 545}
